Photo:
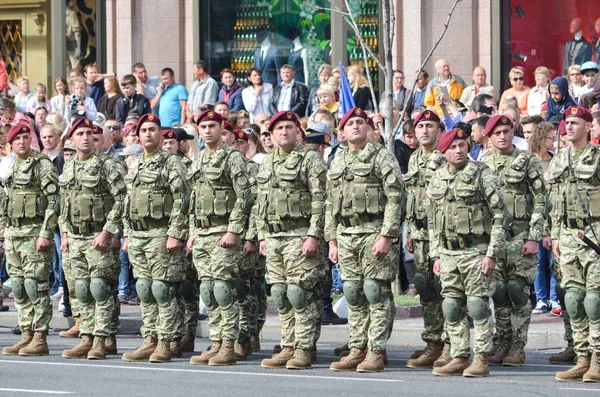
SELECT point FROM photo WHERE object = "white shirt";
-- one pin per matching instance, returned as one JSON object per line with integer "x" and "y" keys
{"x": 285, "y": 97}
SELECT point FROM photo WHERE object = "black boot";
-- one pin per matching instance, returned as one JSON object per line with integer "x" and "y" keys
{"x": 330, "y": 318}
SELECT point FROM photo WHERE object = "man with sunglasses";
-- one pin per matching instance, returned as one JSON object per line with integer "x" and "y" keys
{"x": 116, "y": 146}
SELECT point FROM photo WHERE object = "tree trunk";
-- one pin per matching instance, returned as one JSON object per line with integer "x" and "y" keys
{"x": 387, "y": 8}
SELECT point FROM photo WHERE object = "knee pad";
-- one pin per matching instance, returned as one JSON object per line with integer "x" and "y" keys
{"x": 206, "y": 293}
{"x": 560, "y": 292}
{"x": 518, "y": 292}
{"x": 297, "y": 296}
{"x": 279, "y": 295}
{"x": 374, "y": 291}
{"x": 143, "y": 287}
{"x": 31, "y": 288}
{"x": 592, "y": 306}
{"x": 18, "y": 289}
{"x": 241, "y": 288}
{"x": 423, "y": 287}
{"x": 575, "y": 307}
{"x": 500, "y": 297}
{"x": 478, "y": 307}
{"x": 162, "y": 291}
{"x": 354, "y": 294}
{"x": 82, "y": 291}
{"x": 224, "y": 293}
{"x": 100, "y": 289}
{"x": 453, "y": 309}
{"x": 187, "y": 290}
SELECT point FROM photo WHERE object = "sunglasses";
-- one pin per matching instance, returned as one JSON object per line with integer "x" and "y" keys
{"x": 518, "y": 79}
{"x": 3, "y": 108}
{"x": 248, "y": 131}
{"x": 113, "y": 127}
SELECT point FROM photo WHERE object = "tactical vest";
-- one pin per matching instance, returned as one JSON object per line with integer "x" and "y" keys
{"x": 416, "y": 183}
{"x": 517, "y": 195}
{"x": 25, "y": 197}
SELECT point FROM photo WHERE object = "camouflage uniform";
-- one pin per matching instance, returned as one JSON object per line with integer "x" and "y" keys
{"x": 466, "y": 225}
{"x": 524, "y": 192}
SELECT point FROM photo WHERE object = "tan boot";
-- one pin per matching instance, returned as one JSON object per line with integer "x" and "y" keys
{"x": 37, "y": 347}
{"x": 454, "y": 368}
{"x": 576, "y": 373}
{"x": 445, "y": 358}
{"x": 277, "y": 349}
{"x": 98, "y": 351}
{"x": 502, "y": 349}
{"x": 240, "y": 349}
{"x": 142, "y": 353}
{"x": 351, "y": 361}
{"x": 593, "y": 374}
{"x": 338, "y": 350}
{"x": 313, "y": 354}
{"x": 175, "y": 348}
{"x": 162, "y": 353}
{"x": 226, "y": 355}
{"x": 515, "y": 356}
{"x": 72, "y": 332}
{"x": 81, "y": 350}
{"x": 26, "y": 338}
{"x": 566, "y": 356}
{"x": 479, "y": 368}
{"x": 417, "y": 354}
{"x": 255, "y": 343}
{"x": 372, "y": 363}
{"x": 280, "y": 359}
{"x": 206, "y": 355}
{"x": 187, "y": 343}
{"x": 110, "y": 345}
{"x": 432, "y": 352}
{"x": 301, "y": 360}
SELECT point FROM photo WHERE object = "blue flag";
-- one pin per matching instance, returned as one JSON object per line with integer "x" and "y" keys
{"x": 346, "y": 93}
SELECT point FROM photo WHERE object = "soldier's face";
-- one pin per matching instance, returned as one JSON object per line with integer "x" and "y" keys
{"x": 150, "y": 137}
{"x": 21, "y": 145}
{"x": 228, "y": 137}
{"x": 285, "y": 134}
{"x": 356, "y": 130}
{"x": 211, "y": 131}
{"x": 170, "y": 145}
{"x": 83, "y": 139}
{"x": 427, "y": 132}
{"x": 99, "y": 143}
{"x": 577, "y": 129}
{"x": 501, "y": 138}
{"x": 457, "y": 153}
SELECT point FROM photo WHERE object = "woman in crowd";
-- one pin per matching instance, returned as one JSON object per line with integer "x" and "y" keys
{"x": 112, "y": 93}
{"x": 360, "y": 88}
{"x": 519, "y": 90}
{"x": 575, "y": 80}
{"x": 538, "y": 94}
{"x": 10, "y": 116}
{"x": 256, "y": 151}
{"x": 324, "y": 73}
{"x": 61, "y": 90}
{"x": 195, "y": 144}
{"x": 257, "y": 96}
{"x": 231, "y": 91}
{"x": 24, "y": 94}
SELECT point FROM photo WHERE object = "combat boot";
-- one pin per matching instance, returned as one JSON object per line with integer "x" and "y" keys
{"x": 351, "y": 361}
{"x": 175, "y": 348}
{"x": 502, "y": 350}
{"x": 162, "y": 353}
{"x": 81, "y": 350}
{"x": 515, "y": 356}
{"x": 255, "y": 343}
{"x": 576, "y": 373}
{"x": 593, "y": 374}
{"x": 339, "y": 350}
{"x": 313, "y": 354}
{"x": 301, "y": 360}
{"x": 280, "y": 359}
{"x": 432, "y": 352}
{"x": 26, "y": 338}
{"x": 277, "y": 349}
{"x": 37, "y": 347}
{"x": 98, "y": 351}
{"x": 479, "y": 368}
{"x": 417, "y": 354}
{"x": 206, "y": 355}
{"x": 455, "y": 367}
{"x": 241, "y": 351}
{"x": 72, "y": 332}
{"x": 372, "y": 363}
{"x": 187, "y": 343}
{"x": 445, "y": 358}
{"x": 225, "y": 356}
{"x": 143, "y": 352}
{"x": 110, "y": 345}
{"x": 566, "y": 356}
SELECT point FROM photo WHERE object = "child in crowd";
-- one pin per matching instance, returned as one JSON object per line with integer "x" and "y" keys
{"x": 39, "y": 99}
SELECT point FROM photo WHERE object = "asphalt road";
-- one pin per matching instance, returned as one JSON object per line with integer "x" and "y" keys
{"x": 53, "y": 375}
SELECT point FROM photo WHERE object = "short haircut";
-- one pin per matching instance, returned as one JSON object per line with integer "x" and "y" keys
{"x": 464, "y": 127}
{"x": 481, "y": 121}
{"x": 79, "y": 80}
{"x": 8, "y": 104}
{"x": 40, "y": 108}
{"x": 480, "y": 100}
{"x": 517, "y": 70}
{"x": 226, "y": 70}
{"x": 87, "y": 67}
{"x": 21, "y": 79}
{"x": 221, "y": 103}
{"x": 425, "y": 74}
{"x": 596, "y": 115}
{"x": 536, "y": 119}
{"x": 167, "y": 70}
{"x": 543, "y": 70}
{"x": 333, "y": 80}
{"x": 201, "y": 65}
{"x": 52, "y": 127}
{"x": 138, "y": 65}
{"x": 398, "y": 71}
{"x": 408, "y": 127}
{"x": 287, "y": 66}
{"x": 128, "y": 79}
{"x": 325, "y": 90}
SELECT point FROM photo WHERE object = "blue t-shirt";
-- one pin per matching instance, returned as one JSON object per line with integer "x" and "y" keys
{"x": 169, "y": 108}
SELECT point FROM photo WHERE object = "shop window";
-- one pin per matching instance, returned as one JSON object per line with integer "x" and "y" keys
{"x": 11, "y": 47}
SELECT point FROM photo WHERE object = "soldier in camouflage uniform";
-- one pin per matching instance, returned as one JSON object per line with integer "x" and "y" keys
{"x": 155, "y": 229}
{"x": 524, "y": 193}
{"x": 363, "y": 218}
{"x": 220, "y": 204}
{"x": 574, "y": 181}
{"x": 422, "y": 165}
{"x": 32, "y": 215}
{"x": 290, "y": 219}
{"x": 93, "y": 192}
{"x": 466, "y": 237}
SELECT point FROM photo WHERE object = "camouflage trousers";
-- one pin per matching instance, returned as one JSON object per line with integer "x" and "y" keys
{"x": 23, "y": 261}
{"x": 286, "y": 265}
{"x": 215, "y": 263}
{"x": 70, "y": 278}
{"x": 512, "y": 323}
{"x": 115, "y": 324}
{"x": 433, "y": 317}
{"x": 188, "y": 302}
{"x": 560, "y": 293}
{"x": 461, "y": 278}
{"x": 370, "y": 323}
{"x": 247, "y": 296}
{"x": 261, "y": 295}
{"x": 151, "y": 261}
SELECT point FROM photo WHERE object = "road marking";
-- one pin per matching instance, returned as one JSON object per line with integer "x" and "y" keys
{"x": 205, "y": 371}
{"x": 579, "y": 388}
{"x": 35, "y": 391}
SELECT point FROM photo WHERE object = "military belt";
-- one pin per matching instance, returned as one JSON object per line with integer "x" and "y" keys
{"x": 464, "y": 242}
{"x": 205, "y": 223}
{"x": 87, "y": 228}
{"x": 18, "y": 222}
{"x": 148, "y": 224}
{"x": 287, "y": 225}
{"x": 357, "y": 220}
{"x": 574, "y": 223}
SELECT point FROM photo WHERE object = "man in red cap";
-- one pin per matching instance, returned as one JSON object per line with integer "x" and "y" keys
{"x": 421, "y": 166}
{"x": 574, "y": 186}
{"x": 88, "y": 237}
{"x": 290, "y": 214}
{"x": 524, "y": 191}
{"x": 155, "y": 229}
{"x": 32, "y": 214}
{"x": 363, "y": 218}
{"x": 466, "y": 238}
{"x": 219, "y": 210}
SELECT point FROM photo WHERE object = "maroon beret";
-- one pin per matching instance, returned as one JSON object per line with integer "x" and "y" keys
{"x": 240, "y": 135}
{"x": 427, "y": 115}
{"x": 284, "y": 115}
{"x": 496, "y": 121}
{"x": 449, "y": 137}
{"x": 168, "y": 133}
{"x": 128, "y": 129}
{"x": 96, "y": 129}
{"x": 355, "y": 112}
{"x": 562, "y": 128}
{"x": 148, "y": 117}
{"x": 210, "y": 115}
{"x": 578, "y": 111}
{"x": 21, "y": 127}
{"x": 227, "y": 125}
{"x": 82, "y": 122}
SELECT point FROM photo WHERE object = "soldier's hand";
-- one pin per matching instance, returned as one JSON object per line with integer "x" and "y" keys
{"x": 125, "y": 246}
{"x": 42, "y": 244}
{"x": 64, "y": 243}
{"x": 382, "y": 247}
{"x": 547, "y": 243}
{"x": 100, "y": 243}
{"x": 409, "y": 244}
{"x": 436, "y": 267}
{"x": 333, "y": 251}
{"x": 556, "y": 248}
{"x": 249, "y": 248}
{"x": 262, "y": 248}
{"x": 310, "y": 247}
{"x": 488, "y": 265}
{"x": 116, "y": 244}
{"x": 190, "y": 244}
{"x": 530, "y": 248}
{"x": 229, "y": 240}
{"x": 173, "y": 244}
